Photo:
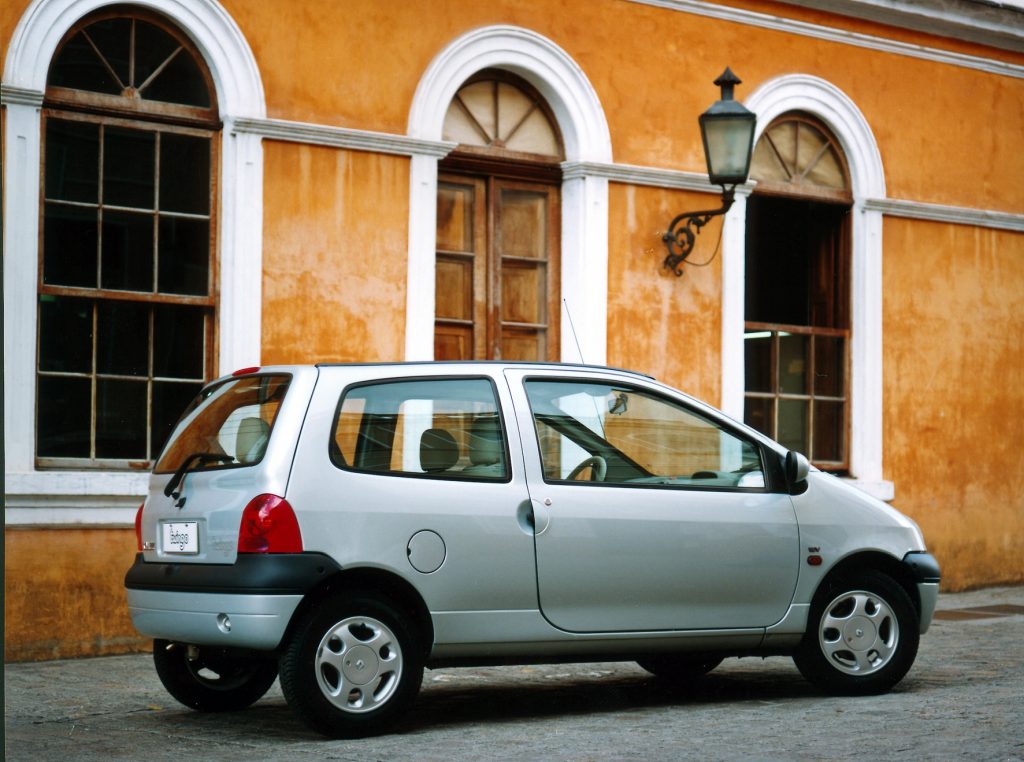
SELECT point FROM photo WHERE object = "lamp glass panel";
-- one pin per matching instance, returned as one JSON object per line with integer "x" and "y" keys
{"x": 727, "y": 143}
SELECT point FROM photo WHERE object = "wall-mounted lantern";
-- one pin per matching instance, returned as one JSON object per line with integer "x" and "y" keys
{"x": 727, "y": 129}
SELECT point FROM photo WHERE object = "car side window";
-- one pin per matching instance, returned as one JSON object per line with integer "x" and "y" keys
{"x": 441, "y": 428}
{"x": 615, "y": 434}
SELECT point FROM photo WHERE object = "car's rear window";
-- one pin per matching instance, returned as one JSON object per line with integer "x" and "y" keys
{"x": 233, "y": 419}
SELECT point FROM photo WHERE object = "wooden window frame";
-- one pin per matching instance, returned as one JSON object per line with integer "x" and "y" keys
{"x": 151, "y": 116}
{"x": 840, "y": 306}
{"x": 489, "y": 176}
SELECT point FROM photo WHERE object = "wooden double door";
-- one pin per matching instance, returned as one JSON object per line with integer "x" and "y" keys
{"x": 497, "y": 277}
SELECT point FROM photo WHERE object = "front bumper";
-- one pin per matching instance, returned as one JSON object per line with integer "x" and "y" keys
{"x": 247, "y": 604}
{"x": 925, "y": 569}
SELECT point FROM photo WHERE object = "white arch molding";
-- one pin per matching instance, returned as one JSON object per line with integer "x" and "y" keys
{"x": 586, "y": 137}
{"x": 239, "y": 92}
{"x": 800, "y": 92}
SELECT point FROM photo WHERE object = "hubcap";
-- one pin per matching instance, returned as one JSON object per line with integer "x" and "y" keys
{"x": 859, "y": 633}
{"x": 358, "y": 664}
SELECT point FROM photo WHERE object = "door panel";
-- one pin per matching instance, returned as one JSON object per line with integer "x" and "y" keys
{"x": 658, "y": 545}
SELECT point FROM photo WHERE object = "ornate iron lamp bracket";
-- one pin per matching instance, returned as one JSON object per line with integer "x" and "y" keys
{"x": 683, "y": 230}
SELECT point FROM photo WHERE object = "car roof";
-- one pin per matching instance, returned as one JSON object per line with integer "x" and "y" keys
{"x": 486, "y": 363}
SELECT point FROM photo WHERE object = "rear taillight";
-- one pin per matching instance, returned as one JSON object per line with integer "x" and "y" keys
{"x": 269, "y": 526}
{"x": 138, "y": 528}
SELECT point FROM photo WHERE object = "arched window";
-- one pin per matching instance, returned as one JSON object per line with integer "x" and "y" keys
{"x": 498, "y": 211}
{"x": 127, "y": 279}
{"x": 797, "y": 292}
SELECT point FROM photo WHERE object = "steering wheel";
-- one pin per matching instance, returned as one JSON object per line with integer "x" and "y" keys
{"x": 598, "y": 466}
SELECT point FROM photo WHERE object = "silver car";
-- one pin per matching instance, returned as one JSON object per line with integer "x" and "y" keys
{"x": 347, "y": 526}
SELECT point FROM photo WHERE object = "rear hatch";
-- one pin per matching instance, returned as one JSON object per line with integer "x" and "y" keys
{"x": 234, "y": 443}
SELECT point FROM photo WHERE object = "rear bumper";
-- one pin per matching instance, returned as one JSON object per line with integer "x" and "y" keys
{"x": 247, "y": 604}
{"x": 213, "y": 619}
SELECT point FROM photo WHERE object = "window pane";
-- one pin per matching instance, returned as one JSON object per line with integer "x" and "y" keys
{"x": 829, "y": 432}
{"x": 184, "y": 256}
{"x": 793, "y": 424}
{"x": 184, "y": 173}
{"x": 65, "y": 334}
{"x": 181, "y": 80}
{"x": 446, "y": 428}
{"x": 758, "y": 412}
{"x": 829, "y": 357}
{"x": 122, "y": 346}
{"x": 453, "y": 342}
{"x": 120, "y": 419}
{"x": 79, "y": 67}
{"x": 63, "y": 412}
{"x": 523, "y": 344}
{"x": 757, "y": 361}
{"x": 627, "y": 436}
{"x": 178, "y": 341}
{"x": 153, "y": 46}
{"x": 455, "y": 217}
{"x": 454, "y": 288}
{"x": 127, "y": 251}
{"x": 523, "y": 224}
{"x": 793, "y": 351}
{"x": 69, "y": 245}
{"x": 72, "y": 161}
{"x": 524, "y": 294}
{"x": 112, "y": 37}
{"x": 169, "y": 402}
{"x": 129, "y": 161}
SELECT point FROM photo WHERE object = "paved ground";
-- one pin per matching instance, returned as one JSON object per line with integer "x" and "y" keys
{"x": 964, "y": 699}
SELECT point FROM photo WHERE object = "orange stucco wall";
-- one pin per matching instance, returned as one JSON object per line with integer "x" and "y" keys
{"x": 659, "y": 324}
{"x": 953, "y": 376}
{"x": 334, "y": 255}
{"x": 64, "y": 593}
{"x": 358, "y": 65}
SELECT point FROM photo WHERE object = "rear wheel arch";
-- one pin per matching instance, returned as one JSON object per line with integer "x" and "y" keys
{"x": 399, "y": 592}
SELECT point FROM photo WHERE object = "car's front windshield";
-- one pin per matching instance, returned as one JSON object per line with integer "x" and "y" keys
{"x": 229, "y": 424}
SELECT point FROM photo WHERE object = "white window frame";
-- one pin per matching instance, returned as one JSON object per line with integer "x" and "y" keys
{"x": 584, "y": 129}
{"x": 103, "y": 498}
{"x": 801, "y": 92}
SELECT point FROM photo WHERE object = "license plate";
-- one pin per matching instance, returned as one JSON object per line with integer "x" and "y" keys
{"x": 181, "y": 537}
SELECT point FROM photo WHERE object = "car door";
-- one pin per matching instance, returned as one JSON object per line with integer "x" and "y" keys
{"x": 415, "y": 471}
{"x": 650, "y": 514}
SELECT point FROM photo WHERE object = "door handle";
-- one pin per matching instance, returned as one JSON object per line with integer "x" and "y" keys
{"x": 541, "y": 515}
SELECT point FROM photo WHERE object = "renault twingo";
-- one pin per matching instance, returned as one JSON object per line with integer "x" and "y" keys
{"x": 347, "y": 526}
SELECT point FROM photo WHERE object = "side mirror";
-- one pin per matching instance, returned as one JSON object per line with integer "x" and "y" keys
{"x": 797, "y": 468}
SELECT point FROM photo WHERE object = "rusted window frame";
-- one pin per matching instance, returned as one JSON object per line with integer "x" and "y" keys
{"x": 151, "y": 116}
{"x": 809, "y": 192}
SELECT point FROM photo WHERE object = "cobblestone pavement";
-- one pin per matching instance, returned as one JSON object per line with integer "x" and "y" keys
{"x": 964, "y": 699}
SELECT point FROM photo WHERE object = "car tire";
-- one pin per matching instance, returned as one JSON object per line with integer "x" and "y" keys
{"x": 862, "y": 635}
{"x": 210, "y": 679}
{"x": 352, "y": 666}
{"x": 680, "y": 667}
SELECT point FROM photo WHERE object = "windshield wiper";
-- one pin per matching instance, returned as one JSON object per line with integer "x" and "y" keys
{"x": 195, "y": 459}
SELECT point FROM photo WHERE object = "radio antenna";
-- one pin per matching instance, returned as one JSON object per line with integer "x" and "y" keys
{"x": 573, "y": 329}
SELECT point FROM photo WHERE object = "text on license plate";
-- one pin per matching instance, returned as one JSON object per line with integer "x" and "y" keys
{"x": 181, "y": 537}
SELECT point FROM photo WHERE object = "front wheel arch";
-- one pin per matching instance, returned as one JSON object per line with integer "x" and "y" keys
{"x": 877, "y": 561}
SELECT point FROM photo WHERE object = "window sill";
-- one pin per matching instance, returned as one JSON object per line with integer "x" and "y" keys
{"x": 70, "y": 499}
{"x": 882, "y": 490}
